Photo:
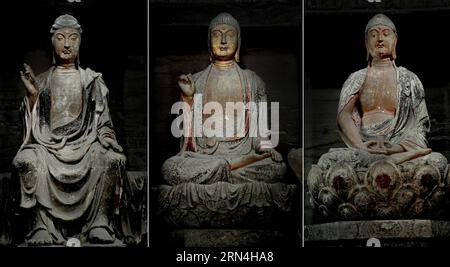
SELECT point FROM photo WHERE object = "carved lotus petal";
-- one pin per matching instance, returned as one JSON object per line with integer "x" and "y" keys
{"x": 324, "y": 210}
{"x": 342, "y": 178}
{"x": 418, "y": 208}
{"x": 362, "y": 199}
{"x": 313, "y": 202}
{"x": 383, "y": 177}
{"x": 385, "y": 210}
{"x": 436, "y": 197}
{"x": 446, "y": 180}
{"x": 405, "y": 196}
{"x": 314, "y": 181}
{"x": 348, "y": 212}
{"x": 328, "y": 197}
{"x": 426, "y": 177}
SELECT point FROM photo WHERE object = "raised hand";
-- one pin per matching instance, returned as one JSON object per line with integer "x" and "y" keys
{"x": 186, "y": 84}
{"x": 29, "y": 80}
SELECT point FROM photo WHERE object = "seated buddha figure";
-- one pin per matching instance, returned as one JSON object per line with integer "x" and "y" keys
{"x": 230, "y": 174}
{"x": 70, "y": 165}
{"x": 382, "y": 117}
{"x": 235, "y": 158}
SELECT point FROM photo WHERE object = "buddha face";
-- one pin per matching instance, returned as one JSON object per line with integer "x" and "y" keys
{"x": 66, "y": 43}
{"x": 380, "y": 42}
{"x": 224, "y": 42}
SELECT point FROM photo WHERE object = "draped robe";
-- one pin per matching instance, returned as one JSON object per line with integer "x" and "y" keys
{"x": 64, "y": 169}
{"x": 207, "y": 160}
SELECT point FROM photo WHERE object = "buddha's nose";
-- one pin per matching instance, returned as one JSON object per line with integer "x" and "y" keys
{"x": 224, "y": 39}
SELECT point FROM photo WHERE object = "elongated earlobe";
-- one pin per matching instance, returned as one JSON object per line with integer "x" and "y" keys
{"x": 368, "y": 57}
{"x": 394, "y": 51}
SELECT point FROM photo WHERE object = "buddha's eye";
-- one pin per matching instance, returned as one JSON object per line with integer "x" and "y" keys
{"x": 59, "y": 37}
{"x": 231, "y": 33}
{"x": 216, "y": 34}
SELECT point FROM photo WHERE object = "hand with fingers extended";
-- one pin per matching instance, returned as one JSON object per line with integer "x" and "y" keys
{"x": 29, "y": 80}
{"x": 108, "y": 142}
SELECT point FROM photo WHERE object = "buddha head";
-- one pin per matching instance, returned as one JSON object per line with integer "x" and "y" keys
{"x": 224, "y": 38}
{"x": 381, "y": 38}
{"x": 66, "y": 39}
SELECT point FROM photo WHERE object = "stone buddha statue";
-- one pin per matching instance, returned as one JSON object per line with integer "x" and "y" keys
{"x": 234, "y": 159}
{"x": 383, "y": 119}
{"x": 373, "y": 114}
{"x": 70, "y": 166}
{"x": 216, "y": 175}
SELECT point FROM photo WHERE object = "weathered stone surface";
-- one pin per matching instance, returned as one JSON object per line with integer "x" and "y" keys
{"x": 390, "y": 232}
{"x": 134, "y": 208}
{"x": 133, "y": 213}
{"x": 232, "y": 238}
{"x": 321, "y": 132}
{"x": 223, "y": 204}
{"x": 117, "y": 243}
{"x": 350, "y": 191}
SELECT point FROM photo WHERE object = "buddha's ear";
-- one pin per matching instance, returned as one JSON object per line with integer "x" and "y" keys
{"x": 236, "y": 55}
{"x": 394, "y": 51}
{"x": 209, "y": 47}
{"x": 368, "y": 57}
{"x": 210, "y": 56}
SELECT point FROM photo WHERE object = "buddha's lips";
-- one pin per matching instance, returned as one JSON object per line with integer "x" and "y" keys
{"x": 223, "y": 48}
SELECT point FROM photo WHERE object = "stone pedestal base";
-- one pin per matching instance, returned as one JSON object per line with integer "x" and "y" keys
{"x": 222, "y": 214}
{"x": 224, "y": 205}
{"x": 117, "y": 243}
{"x": 232, "y": 238}
{"x": 389, "y": 233}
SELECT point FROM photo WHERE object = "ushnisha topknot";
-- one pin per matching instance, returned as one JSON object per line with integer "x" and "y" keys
{"x": 65, "y": 21}
{"x": 225, "y": 18}
{"x": 380, "y": 19}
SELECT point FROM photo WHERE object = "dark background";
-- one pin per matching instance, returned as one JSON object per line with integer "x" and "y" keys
{"x": 334, "y": 48}
{"x": 113, "y": 42}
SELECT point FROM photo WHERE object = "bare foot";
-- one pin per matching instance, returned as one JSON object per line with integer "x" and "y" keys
{"x": 40, "y": 238}
{"x": 100, "y": 236}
